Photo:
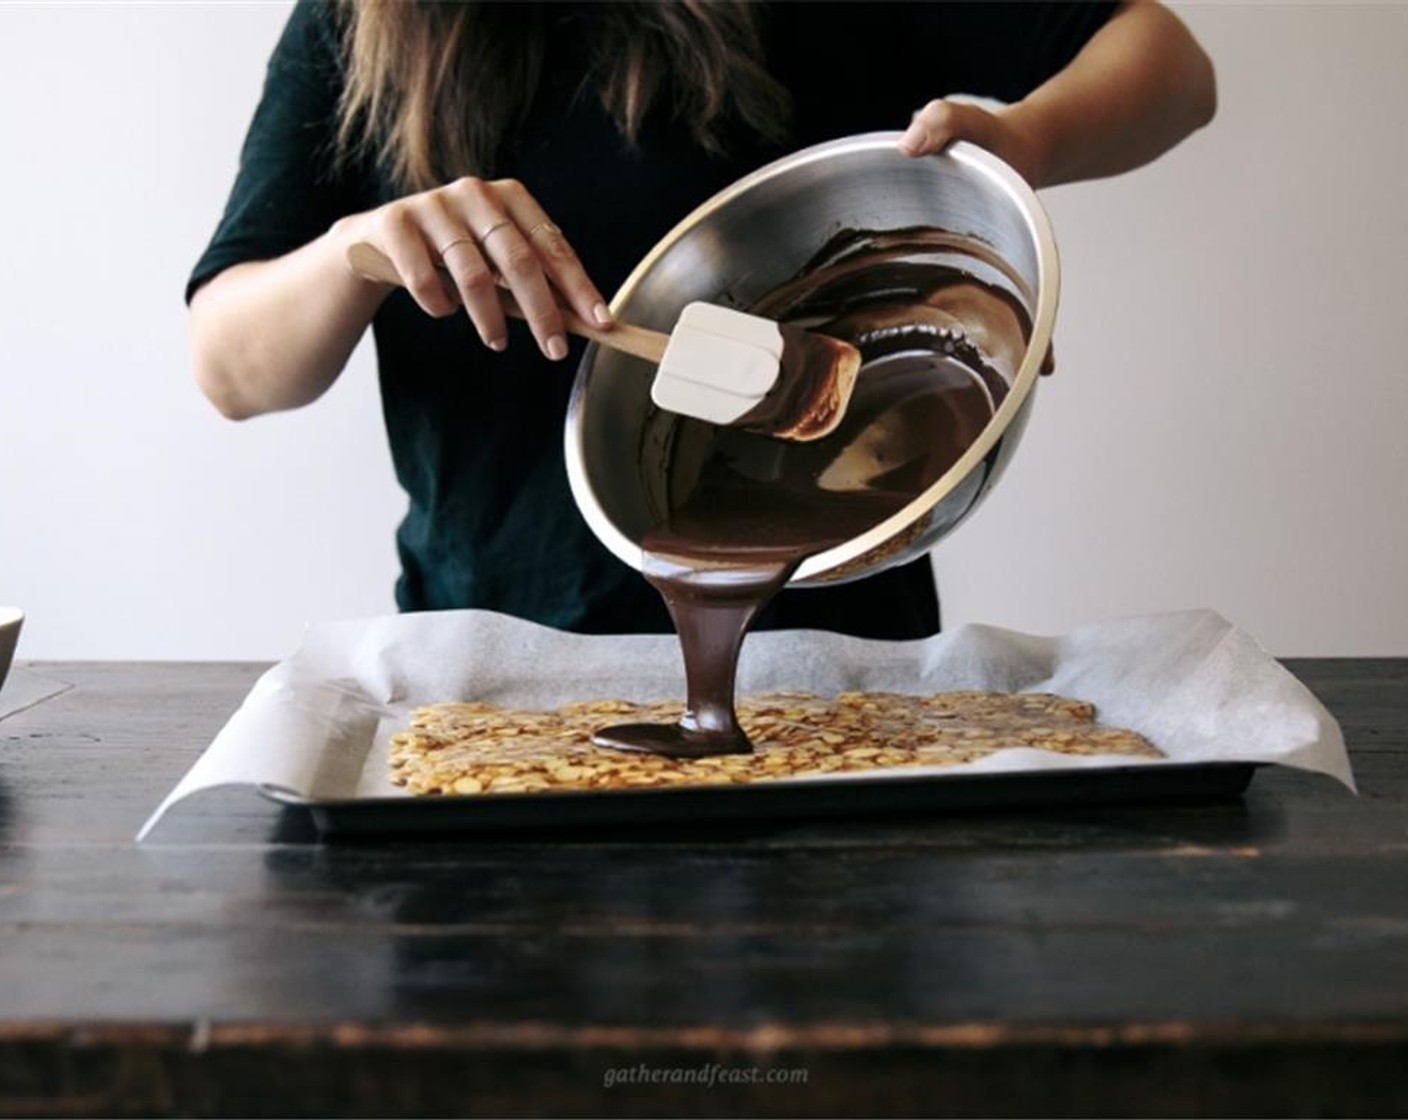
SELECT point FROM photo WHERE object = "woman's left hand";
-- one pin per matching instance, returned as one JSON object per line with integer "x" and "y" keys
{"x": 1139, "y": 86}
{"x": 943, "y": 121}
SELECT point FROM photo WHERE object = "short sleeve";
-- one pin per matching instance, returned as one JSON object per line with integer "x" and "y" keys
{"x": 999, "y": 50}
{"x": 287, "y": 191}
{"x": 1055, "y": 35}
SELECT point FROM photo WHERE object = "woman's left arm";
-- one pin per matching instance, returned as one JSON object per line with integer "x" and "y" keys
{"x": 1139, "y": 86}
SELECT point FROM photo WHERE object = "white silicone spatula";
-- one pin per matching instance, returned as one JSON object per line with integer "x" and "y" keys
{"x": 719, "y": 365}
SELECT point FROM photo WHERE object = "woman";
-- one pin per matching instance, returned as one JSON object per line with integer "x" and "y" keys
{"x": 554, "y": 144}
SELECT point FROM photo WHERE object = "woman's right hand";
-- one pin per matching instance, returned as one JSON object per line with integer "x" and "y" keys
{"x": 455, "y": 245}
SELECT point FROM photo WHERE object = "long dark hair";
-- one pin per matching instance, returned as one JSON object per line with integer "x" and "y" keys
{"x": 433, "y": 88}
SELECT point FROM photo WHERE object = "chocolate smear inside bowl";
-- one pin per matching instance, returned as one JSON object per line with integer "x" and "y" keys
{"x": 740, "y": 512}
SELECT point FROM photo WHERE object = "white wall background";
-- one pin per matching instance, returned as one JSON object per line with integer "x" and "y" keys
{"x": 1226, "y": 427}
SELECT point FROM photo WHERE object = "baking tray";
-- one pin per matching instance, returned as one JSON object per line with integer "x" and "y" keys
{"x": 774, "y": 800}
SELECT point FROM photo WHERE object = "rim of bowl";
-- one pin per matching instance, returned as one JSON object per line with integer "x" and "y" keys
{"x": 1019, "y": 193}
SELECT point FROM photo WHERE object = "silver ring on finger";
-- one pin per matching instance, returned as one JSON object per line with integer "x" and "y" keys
{"x": 466, "y": 240}
{"x": 542, "y": 227}
{"x": 493, "y": 229}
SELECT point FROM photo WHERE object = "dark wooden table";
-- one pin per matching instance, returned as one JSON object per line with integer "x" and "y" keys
{"x": 1242, "y": 958}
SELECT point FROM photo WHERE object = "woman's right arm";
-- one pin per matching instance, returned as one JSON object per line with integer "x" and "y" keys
{"x": 275, "y": 310}
{"x": 275, "y": 334}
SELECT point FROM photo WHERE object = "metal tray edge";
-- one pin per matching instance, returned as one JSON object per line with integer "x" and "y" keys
{"x": 774, "y": 800}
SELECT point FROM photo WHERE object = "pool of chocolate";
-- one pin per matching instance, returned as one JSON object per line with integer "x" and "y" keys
{"x": 940, "y": 348}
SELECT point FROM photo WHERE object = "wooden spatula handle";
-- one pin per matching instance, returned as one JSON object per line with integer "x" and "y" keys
{"x": 367, "y": 260}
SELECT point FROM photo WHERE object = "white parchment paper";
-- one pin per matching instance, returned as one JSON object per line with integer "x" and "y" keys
{"x": 318, "y": 723}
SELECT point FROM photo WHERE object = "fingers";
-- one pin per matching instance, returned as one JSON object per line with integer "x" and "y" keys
{"x": 402, "y": 240}
{"x": 941, "y": 122}
{"x": 496, "y": 212}
{"x": 559, "y": 259}
{"x": 454, "y": 245}
{"x": 1008, "y": 133}
{"x": 522, "y": 271}
{"x": 930, "y": 130}
{"x": 473, "y": 276}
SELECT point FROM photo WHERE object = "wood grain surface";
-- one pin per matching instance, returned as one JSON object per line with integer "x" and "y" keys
{"x": 1248, "y": 957}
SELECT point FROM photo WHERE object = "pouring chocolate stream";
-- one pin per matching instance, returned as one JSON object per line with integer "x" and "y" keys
{"x": 939, "y": 349}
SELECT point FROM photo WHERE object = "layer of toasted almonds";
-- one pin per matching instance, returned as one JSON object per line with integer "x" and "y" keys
{"x": 472, "y": 748}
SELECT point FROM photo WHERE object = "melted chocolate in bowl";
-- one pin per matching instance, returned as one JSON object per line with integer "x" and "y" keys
{"x": 939, "y": 347}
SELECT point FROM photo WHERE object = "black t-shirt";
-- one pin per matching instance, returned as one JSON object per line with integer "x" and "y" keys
{"x": 476, "y": 437}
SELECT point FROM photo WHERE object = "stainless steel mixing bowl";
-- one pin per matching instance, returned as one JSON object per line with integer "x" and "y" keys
{"x": 757, "y": 234}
